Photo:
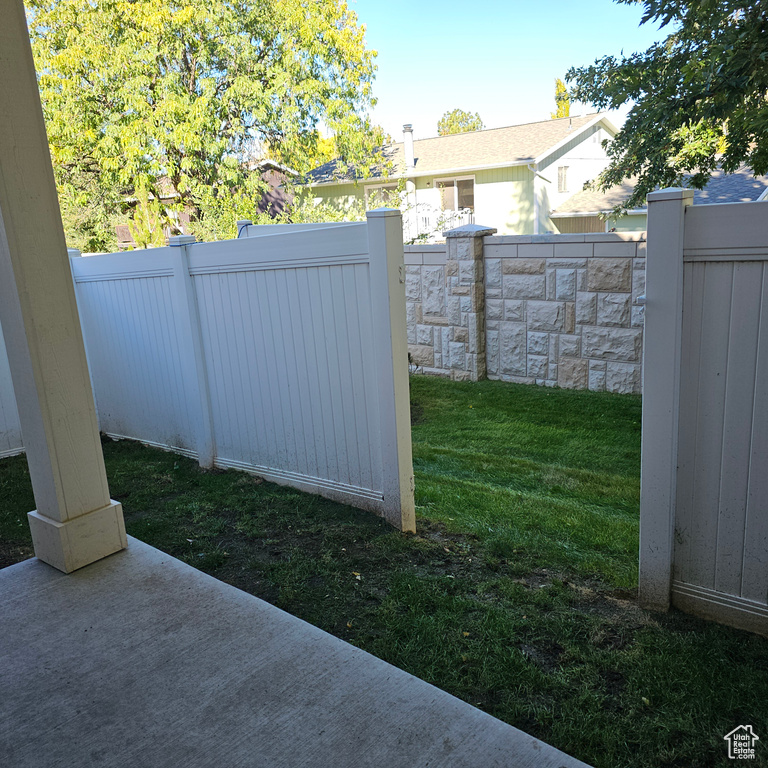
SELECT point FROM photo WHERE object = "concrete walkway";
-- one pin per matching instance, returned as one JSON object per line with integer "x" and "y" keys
{"x": 141, "y": 661}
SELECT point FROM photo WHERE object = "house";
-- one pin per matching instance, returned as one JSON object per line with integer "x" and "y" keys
{"x": 507, "y": 178}
{"x": 588, "y": 211}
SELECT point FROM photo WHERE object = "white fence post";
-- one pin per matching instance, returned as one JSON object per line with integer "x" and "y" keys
{"x": 661, "y": 392}
{"x": 196, "y": 376}
{"x": 385, "y": 245}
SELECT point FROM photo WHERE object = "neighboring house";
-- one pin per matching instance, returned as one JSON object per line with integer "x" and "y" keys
{"x": 507, "y": 178}
{"x": 583, "y": 211}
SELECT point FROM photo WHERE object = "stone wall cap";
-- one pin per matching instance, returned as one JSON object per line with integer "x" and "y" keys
{"x": 673, "y": 193}
{"x": 470, "y": 230}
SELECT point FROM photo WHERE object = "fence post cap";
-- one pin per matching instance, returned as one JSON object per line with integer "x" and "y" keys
{"x": 671, "y": 193}
{"x": 73, "y": 253}
{"x": 470, "y": 230}
{"x": 244, "y": 223}
{"x": 178, "y": 240}
{"x": 380, "y": 213}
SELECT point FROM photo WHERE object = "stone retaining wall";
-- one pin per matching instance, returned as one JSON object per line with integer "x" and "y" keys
{"x": 558, "y": 310}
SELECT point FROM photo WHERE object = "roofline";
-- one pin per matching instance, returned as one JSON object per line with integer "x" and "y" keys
{"x": 421, "y": 174}
{"x": 763, "y": 196}
{"x": 575, "y": 214}
{"x": 600, "y": 117}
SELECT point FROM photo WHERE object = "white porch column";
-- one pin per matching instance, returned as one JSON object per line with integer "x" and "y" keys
{"x": 75, "y": 522}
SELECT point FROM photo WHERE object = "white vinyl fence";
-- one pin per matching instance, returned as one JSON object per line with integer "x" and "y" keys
{"x": 10, "y": 430}
{"x": 282, "y": 353}
{"x": 704, "y": 497}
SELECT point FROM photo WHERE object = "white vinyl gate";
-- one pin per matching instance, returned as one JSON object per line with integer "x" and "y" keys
{"x": 704, "y": 498}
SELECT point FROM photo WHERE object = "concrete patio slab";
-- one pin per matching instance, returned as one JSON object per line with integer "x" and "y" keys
{"x": 140, "y": 660}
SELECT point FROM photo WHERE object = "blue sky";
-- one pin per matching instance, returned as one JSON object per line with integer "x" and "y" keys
{"x": 498, "y": 58}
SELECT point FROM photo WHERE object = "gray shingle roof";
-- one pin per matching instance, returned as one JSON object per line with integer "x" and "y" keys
{"x": 475, "y": 149}
{"x": 737, "y": 187}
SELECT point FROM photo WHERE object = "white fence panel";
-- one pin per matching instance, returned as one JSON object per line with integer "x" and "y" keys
{"x": 713, "y": 528}
{"x": 131, "y": 326}
{"x": 282, "y": 353}
{"x": 10, "y": 429}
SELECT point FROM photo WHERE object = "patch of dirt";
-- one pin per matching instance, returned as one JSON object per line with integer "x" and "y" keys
{"x": 546, "y": 656}
{"x": 12, "y": 552}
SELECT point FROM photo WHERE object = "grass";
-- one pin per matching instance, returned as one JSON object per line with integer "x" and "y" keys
{"x": 516, "y": 594}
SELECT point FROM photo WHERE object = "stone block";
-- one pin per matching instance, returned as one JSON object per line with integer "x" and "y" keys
{"x": 623, "y": 378}
{"x": 597, "y": 380}
{"x": 597, "y": 365}
{"x": 609, "y": 275}
{"x": 492, "y": 293}
{"x": 524, "y": 286}
{"x": 454, "y": 310}
{"x": 493, "y": 273}
{"x": 613, "y": 309}
{"x": 447, "y": 338}
{"x": 458, "y": 375}
{"x": 546, "y": 315}
{"x": 551, "y": 286}
{"x": 581, "y": 279}
{"x": 466, "y": 304}
{"x": 494, "y": 309}
{"x": 638, "y": 316}
{"x": 459, "y": 290}
{"x": 470, "y": 272}
{"x": 433, "y": 291}
{"x": 492, "y": 351}
{"x": 452, "y": 267}
{"x": 615, "y": 250}
{"x": 569, "y": 346}
{"x": 514, "y": 310}
{"x": 537, "y": 366}
{"x": 570, "y": 317}
{"x": 512, "y": 348}
{"x": 536, "y": 250}
{"x": 619, "y": 344}
{"x": 523, "y": 266}
{"x": 565, "y": 284}
{"x": 572, "y": 373}
{"x": 421, "y": 355}
{"x": 461, "y": 334}
{"x": 412, "y": 286}
{"x": 457, "y": 355}
{"x": 552, "y": 372}
{"x": 586, "y": 307}
{"x": 538, "y": 343}
{"x": 573, "y": 250}
{"x": 424, "y": 335}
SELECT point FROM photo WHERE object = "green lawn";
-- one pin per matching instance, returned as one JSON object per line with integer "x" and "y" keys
{"x": 517, "y": 592}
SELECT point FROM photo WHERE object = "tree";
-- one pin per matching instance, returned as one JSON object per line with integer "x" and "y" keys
{"x": 699, "y": 96}
{"x": 562, "y": 100}
{"x": 458, "y": 121}
{"x": 137, "y": 90}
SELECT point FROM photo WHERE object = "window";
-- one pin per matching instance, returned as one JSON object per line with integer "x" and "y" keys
{"x": 456, "y": 194}
{"x": 382, "y": 196}
{"x": 562, "y": 178}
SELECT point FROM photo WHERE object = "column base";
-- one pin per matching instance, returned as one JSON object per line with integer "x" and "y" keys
{"x": 80, "y": 541}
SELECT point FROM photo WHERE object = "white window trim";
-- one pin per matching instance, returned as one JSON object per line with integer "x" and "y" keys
{"x": 471, "y": 178}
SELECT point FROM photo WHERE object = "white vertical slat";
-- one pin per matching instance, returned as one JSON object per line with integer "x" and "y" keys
{"x": 693, "y": 312}
{"x": 715, "y": 330}
{"x": 10, "y": 429}
{"x": 737, "y": 425}
{"x": 754, "y": 585}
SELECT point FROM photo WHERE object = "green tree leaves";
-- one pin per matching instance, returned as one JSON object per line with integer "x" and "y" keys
{"x": 699, "y": 93}
{"x": 135, "y": 90}
{"x": 458, "y": 121}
